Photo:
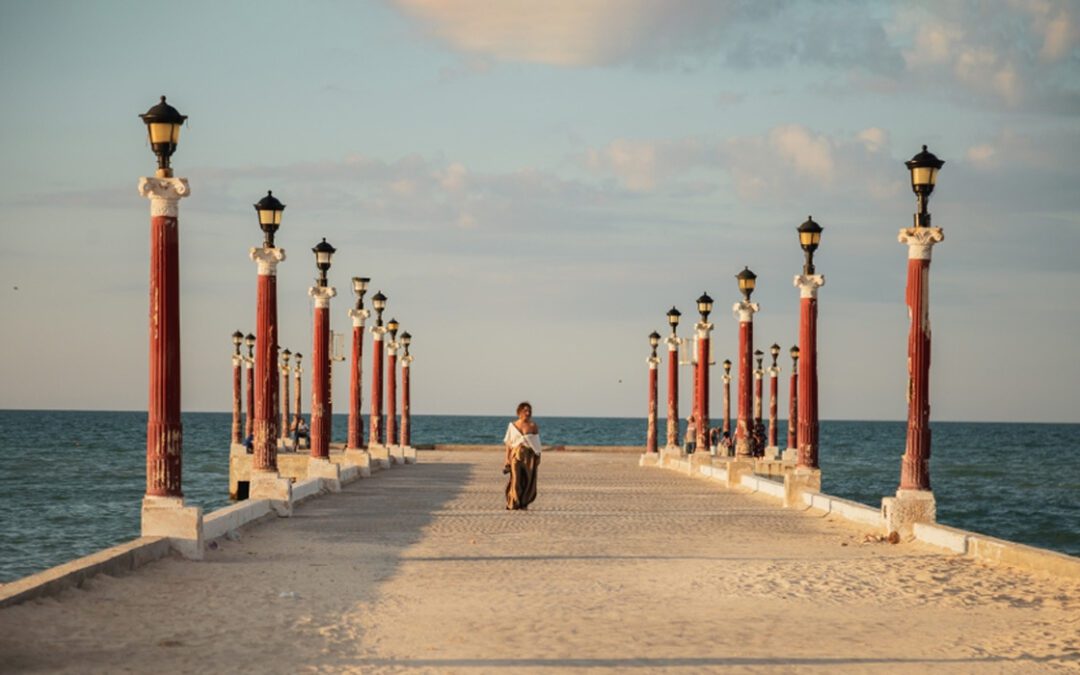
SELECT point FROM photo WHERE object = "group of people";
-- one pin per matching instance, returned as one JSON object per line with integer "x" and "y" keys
{"x": 720, "y": 442}
{"x": 298, "y": 433}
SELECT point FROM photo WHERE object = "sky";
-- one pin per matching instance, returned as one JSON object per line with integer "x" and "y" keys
{"x": 534, "y": 184}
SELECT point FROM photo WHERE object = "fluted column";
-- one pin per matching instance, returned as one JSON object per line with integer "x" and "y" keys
{"x": 673, "y": 392}
{"x": 807, "y": 429}
{"x": 266, "y": 358}
{"x": 320, "y": 372}
{"x": 356, "y": 419}
{"x": 249, "y": 418}
{"x": 915, "y": 467}
{"x": 703, "y": 333}
{"x": 793, "y": 408}
{"x": 164, "y": 433}
{"x": 406, "y": 413}
{"x": 727, "y": 403}
{"x": 744, "y": 312}
{"x": 298, "y": 373}
{"x": 774, "y": 390}
{"x": 237, "y": 426}
{"x": 650, "y": 432}
{"x": 286, "y": 417}
{"x": 391, "y": 392}
{"x": 375, "y": 420}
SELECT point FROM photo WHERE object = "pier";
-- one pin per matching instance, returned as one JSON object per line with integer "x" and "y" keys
{"x": 616, "y": 567}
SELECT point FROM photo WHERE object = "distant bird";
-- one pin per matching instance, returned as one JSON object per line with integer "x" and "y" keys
{"x": 16, "y": 287}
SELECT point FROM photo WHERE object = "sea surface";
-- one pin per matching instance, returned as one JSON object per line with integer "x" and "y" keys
{"x": 71, "y": 483}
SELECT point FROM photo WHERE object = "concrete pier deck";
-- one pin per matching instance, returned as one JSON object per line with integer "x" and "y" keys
{"x": 615, "y": 568}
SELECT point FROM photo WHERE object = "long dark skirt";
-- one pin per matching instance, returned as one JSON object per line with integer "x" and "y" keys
{"x": 521, "y": 488}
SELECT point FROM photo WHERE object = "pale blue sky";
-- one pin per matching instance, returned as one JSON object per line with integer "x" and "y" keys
{"x": 533, "y": 184}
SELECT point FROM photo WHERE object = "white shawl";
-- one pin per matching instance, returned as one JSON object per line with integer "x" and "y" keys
{"x": 514, "y": 438}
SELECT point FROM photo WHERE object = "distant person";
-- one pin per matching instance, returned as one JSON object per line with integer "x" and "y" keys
{"x": 714, "y": 439}
{"x": 249, "y": 443}
{"x": 757, "y": 438}
{"x": 522, "y": 441}
{"x": 725, "y": 448}
{"x": 690, "y": 439}
{"x": 301, "y": 431}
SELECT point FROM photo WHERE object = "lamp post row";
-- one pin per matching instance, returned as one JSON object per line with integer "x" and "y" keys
{"x": 914, "y": 498}
{"x": 164, "y": 512}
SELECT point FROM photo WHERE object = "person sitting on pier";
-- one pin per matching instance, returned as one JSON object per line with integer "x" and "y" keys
{"x": 522, "y": 441}
{"x": 301, "y": 431}
{"x": 725, "y": 448}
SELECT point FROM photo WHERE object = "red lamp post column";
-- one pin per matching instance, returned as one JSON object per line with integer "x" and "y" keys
{"x": 703, "y": 330}
{"x": 391, "y": 384}
{"x": 756, "y": 433}
{"x": 375, "y": 425}
{"x": 266, "y": 358}
{"x": 673, "y": 381}
{"x": 319, "y": 464}
{"x": 298, "y": 371}
{"x": 285, "y": 416}
{"x": 650, "y": 425}
{"x": 237, "y": 361}
{"x": 774, "y": 388}
{"x": 744, "y": 312}
{"x": 406, "y": 413}
{"x": 249, "y": 367}
{"x": 807, "y": 429}
{"x": 163, "y": 510}
{"x": 793, "y": 406}
{"x": 914, "y": 501}
{"x": 358, "y": 315}
{"x": 727, "y": 396}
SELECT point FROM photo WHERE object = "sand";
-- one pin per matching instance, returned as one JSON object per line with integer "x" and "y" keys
{"x": 615, "y": 568}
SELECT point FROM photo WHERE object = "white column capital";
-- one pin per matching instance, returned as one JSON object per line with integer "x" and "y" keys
{"x": 726, "y": 379}
{"x": 406, "y": 360}
{"x": 744, "y": 311}
{"x": 774, "y": 371}
{"x": 359, "y": 316}
{"x": 164, "y": 194}
{"x": 267, "y": 259}
{"x": 703, "y": 329}
{"x": 653, "y": 362}
{"x": 237, "y": 360}
{"x": 758, "y": 374}
{"x": 392, "y": 347}
{"x": 322, "y": 295}
{"x": 378, "y": 331}
{"x": 248, "y": 362}
{"x": 808, "y": 284}
{"x": 920, "y": 240}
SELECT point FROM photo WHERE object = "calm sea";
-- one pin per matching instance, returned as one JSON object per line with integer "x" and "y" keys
{"x": 71, "y": 482}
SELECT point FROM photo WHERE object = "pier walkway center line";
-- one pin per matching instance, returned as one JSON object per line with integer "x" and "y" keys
{"x": 613, "y": 568}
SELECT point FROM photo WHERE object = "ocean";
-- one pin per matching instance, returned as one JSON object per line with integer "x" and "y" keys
{"x": 71, "y": 482}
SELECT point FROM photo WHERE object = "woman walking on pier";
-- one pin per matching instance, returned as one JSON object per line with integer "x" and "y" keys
{"x": 522, "y": 441}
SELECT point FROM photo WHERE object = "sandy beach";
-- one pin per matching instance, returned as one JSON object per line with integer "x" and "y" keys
{"x": 614, "y": 568}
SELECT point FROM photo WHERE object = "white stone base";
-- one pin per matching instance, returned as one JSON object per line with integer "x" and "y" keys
{"x": 380, "y": 456}
{"x": 397, "y": 454}
{"x": 771, "y": 453}
{"x": 326, "y": 471}
{"x": 360, "y": 459}
{"x": 797, "y": 481}
{"x": 790, "y": 455}
{"x": 269, "y": 485}
{"x": 409, "y": 453}
{"x": 737, "y": 468}
{"x": 183, "y": 525}
{"x": 649, "y": 459}
{"x": 900, "y": 513}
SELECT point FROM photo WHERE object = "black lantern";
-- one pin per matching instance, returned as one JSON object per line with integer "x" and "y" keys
{"x": 163, "y": 124}
{"x": 727, "y": 366}
{"x": 359, "y": 287}
{"x": 924, "y": 169}
{"x": 809, "y": 238}
{"x": 237, "y": 340}
{"x": 269, "y": 210}
{"x": 673, "y": 319}
{"x": 775, "y": 351}
{"x": 249, "y": 340}
{"x": 747, "y": 282}
{"x": 758, "y": 354}
{"x": 406, "y": 340}
{"x": 285, "y": 359}
{"x": 392, "y": 327}
{"x": 794, "y": 351}
{"x": 704, "y": 307}
{"x": 296, "y": 359}
{"x": 378, "y": 301}
{"x": 654, "y": 342}
{"x": 324, "y": 253}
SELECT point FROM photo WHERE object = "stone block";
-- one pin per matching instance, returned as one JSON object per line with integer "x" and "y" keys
{"x": 798, "y": 481}
{"x": 269, "y": 485}
{"x": 908, "y": 507}
{"x": 790, "y": 455}
{"x": 169, "y": 517}
{"x": 771, "y": 453}
{"x": 737, "y": 468}
{"x": 380, "y": 456}
{"x": 326, "y": 471}
{"x": 409, "y": 453}
{"x": 397, "y": 454}
{"x": 649, "y": 459}
{"x": 360, "y": 459}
